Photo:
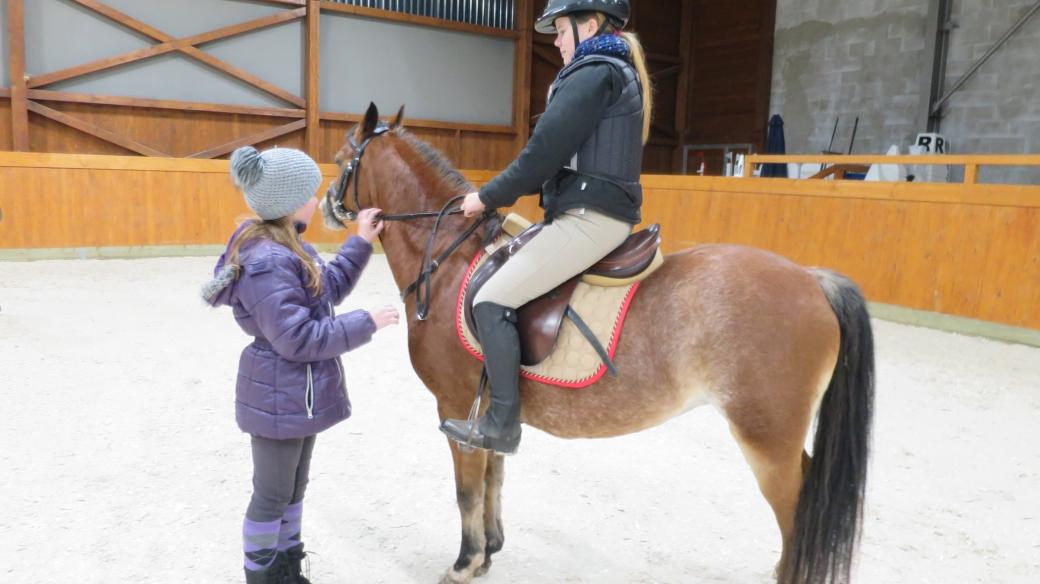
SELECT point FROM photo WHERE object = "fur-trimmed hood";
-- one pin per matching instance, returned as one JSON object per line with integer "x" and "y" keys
{"x": 219, "y": 290}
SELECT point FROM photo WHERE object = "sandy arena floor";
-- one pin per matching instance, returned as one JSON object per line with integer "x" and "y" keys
{"x": 121, "y": 461}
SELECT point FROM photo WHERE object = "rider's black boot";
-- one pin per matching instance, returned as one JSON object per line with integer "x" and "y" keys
{"x": 499, "y": 428}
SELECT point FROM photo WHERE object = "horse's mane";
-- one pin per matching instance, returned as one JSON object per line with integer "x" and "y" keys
{"x": 439, "y": 170}
{"x": 438, "y": 165}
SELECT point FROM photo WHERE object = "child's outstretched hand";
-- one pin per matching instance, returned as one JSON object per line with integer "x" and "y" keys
{"x": 384, "y": 316}
{"x": 368, "y": 226}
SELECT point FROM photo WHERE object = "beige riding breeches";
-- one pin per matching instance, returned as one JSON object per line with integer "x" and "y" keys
{"x": 571, "y": 243}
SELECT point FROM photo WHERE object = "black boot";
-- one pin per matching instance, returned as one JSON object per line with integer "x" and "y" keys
{"x": 499, "y": 428}
{"x": 295, "y": 556}
{"x": 276, "y": 573}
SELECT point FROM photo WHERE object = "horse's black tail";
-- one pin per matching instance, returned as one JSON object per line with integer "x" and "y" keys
{"x": 828, "y": 521}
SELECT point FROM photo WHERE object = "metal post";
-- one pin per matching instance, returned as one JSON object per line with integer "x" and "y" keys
{"x": 937, "y": 108}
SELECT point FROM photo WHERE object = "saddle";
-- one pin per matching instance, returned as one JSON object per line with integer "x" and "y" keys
{"x": 540, "y": 320}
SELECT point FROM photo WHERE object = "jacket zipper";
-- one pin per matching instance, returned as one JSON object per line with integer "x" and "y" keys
{"x": 308, "y": 400}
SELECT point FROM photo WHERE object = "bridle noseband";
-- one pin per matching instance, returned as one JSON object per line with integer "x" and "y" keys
{"x": 423, "y": 282}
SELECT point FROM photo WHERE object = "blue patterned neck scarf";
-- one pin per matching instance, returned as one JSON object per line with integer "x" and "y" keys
{"x": 611, "y": 45}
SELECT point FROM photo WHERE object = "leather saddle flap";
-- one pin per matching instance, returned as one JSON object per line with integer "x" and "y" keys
{"x": 540, "y": 320}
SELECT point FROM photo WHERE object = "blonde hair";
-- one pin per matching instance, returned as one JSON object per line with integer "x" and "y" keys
{"x": 283, "y": 232}
{"x": 639, "y": 60}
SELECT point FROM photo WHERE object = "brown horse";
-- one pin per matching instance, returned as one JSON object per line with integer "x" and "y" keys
{"x": 768, "y": 343}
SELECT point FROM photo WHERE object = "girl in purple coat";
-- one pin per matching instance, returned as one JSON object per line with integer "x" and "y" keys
{"x": 290, "y": 379}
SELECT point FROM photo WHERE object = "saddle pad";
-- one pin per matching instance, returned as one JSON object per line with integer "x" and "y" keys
{"x": 573, "y": 363}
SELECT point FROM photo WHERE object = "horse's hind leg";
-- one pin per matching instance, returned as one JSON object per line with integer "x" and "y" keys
{"x": 777, "y": 459}
{"x": 494, "y": 535}
{"x": 470, "y": 473}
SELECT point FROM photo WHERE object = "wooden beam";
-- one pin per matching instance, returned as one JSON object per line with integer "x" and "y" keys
{"x": 125, "y": 20}
{"x": 971, "y": 174}
{"x": 662, "y": 58}
{"x": 251, "y": 139}
{"x": 94, "y": 130}
{"x": 683, "y": 83}
{"x": 186, "y": 47}
{"x": 101, "y": 64}
{"x": 942, "y": 159}
{"x": 433, "y": 124}
{"x": 61, "y": 96}
{"x": 667, "y": 72}
{"x": 418, "y": 20}
{"x": 524, "y": 15}
{"x": 19, "y": 101}
{"x": 660, "y": 127}
{"x": 244, "y": 76}
{"x": 551, "y": 56}
{"x": 313, "y": 65}
{"x": 285, "y": 2}
{"x": 244, "y": 27}
{"x": 764, "y": 79}
{"x": 166, "y": 47}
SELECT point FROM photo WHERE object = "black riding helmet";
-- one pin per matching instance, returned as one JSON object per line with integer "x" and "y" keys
{"x": 616, "y": 11}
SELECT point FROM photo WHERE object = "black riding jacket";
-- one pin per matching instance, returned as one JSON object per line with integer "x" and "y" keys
{"x": 586, "y": 149}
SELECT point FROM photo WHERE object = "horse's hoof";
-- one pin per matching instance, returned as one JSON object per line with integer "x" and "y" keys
{"x": 453, "y": 577}
{"x": 483, "y": 569}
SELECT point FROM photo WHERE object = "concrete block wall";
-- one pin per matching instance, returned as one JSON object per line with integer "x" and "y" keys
{"x": 998, "y": 110}
{"x": 871, "y": 58}
{"x": 842, "y": 59}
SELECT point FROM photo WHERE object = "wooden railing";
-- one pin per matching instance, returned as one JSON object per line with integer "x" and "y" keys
{"x": 970, "y": 162}
{"x": 959, "y": 249}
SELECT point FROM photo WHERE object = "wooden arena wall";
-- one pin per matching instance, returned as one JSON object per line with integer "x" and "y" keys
{"x": 959, "y": 249}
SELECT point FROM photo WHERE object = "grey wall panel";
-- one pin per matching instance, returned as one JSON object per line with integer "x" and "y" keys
{"x": 60, "y": 34}
{"x": 276, "y": 54}
{"x": 437, "y": 74}
{"x": 182, "y": 18}
{"x": 171, "y": 77}
{"x": 5, "y": 52}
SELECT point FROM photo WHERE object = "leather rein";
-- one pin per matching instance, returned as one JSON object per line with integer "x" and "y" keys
{"x": 422, "y": 285}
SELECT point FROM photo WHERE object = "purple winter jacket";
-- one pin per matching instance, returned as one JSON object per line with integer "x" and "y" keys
{"x": 290, "y": 378}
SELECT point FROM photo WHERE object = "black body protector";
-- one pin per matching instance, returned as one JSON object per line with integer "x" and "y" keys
{"x": 612, "y": 154}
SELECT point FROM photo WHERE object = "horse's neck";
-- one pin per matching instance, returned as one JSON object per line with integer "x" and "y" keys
{"x": 404, "y": 243}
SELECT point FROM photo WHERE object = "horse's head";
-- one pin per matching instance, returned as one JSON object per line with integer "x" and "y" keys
{"x": 351, "y": 192}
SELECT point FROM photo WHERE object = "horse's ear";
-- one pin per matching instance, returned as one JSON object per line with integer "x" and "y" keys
{"x": 371, "y": 120}
{"x": 398, "y": 119}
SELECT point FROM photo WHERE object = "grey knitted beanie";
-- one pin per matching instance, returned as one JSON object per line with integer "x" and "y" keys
{"x": 276, "y": 182}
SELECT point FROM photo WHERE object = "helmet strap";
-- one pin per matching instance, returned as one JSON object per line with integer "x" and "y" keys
{"x": 574, "y": 31}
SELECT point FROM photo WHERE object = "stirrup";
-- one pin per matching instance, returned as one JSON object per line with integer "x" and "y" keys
{"x": 467, "y": 446}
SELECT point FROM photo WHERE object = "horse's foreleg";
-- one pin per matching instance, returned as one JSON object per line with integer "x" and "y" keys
{"x": 494, "y": 535}
{"x": 470, "y": 472}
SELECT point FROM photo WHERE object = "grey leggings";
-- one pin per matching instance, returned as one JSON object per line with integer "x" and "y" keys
{"x": 280, "y": 471}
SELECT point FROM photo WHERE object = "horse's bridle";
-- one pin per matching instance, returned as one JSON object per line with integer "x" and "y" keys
{"x": 352, "y": 170}
{"x": 423, "y": 282}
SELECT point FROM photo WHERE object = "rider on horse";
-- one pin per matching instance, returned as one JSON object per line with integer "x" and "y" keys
{"x": 585, "y": 156}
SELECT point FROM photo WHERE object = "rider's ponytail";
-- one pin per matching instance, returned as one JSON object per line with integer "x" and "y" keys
{"x": 639, "y": 60}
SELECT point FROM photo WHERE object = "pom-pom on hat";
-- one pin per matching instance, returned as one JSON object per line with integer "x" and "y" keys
{"x": 275, "y": 182}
